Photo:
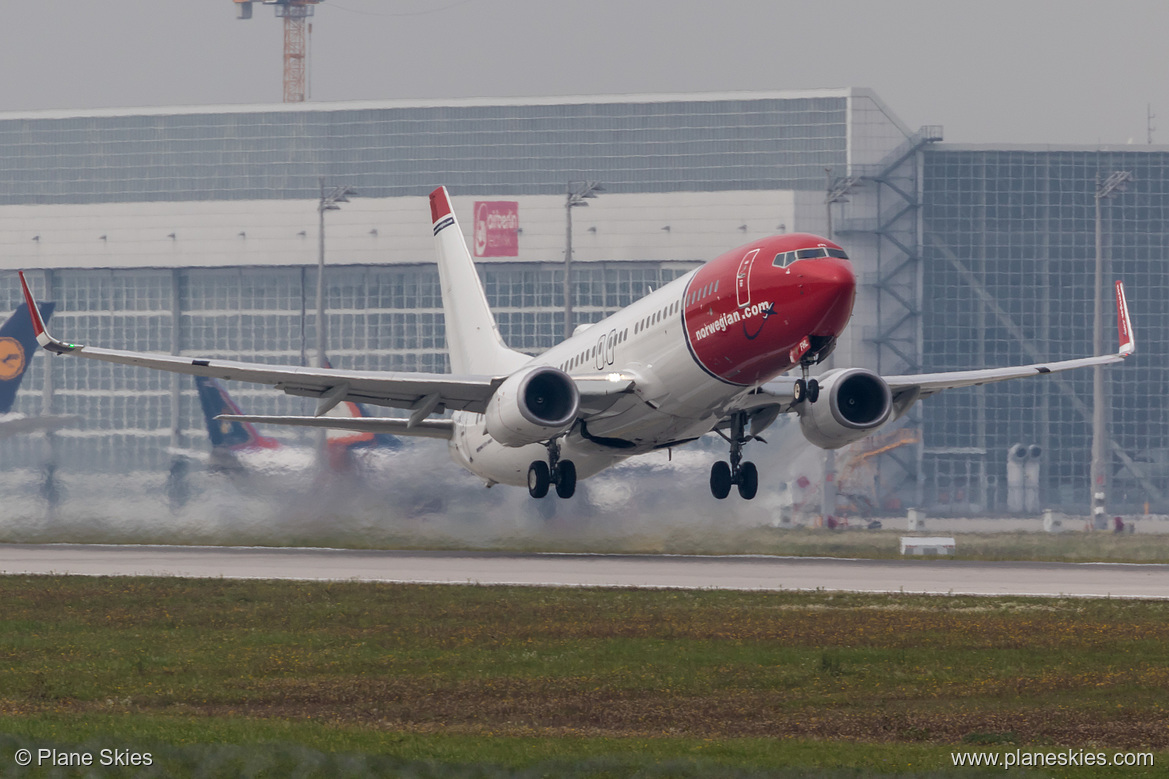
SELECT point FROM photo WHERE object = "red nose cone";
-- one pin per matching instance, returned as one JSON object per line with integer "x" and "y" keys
{"x": 831, "y": 285}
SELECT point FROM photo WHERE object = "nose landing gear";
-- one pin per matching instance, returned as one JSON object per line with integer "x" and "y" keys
{"x": 806, "y": 389}
{"x": 744, "y": 475}
{"x": 562, "y": 473}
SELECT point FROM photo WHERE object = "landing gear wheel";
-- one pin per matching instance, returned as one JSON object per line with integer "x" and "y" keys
{"x": 813, "y": 391}
{"x": 748, "y": 480}
{"x": 799, "y": 391}
{"x": 538, "y": 479}
{"x": 720, "y": 479}
{"x": 565, "y": 478}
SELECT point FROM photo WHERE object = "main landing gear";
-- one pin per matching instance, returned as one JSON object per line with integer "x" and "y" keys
{"x": 744, "y": 475}
{"x": 562, "y": 473}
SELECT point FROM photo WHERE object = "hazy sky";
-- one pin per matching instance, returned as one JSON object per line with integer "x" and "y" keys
{"x": 1024, "y": 71}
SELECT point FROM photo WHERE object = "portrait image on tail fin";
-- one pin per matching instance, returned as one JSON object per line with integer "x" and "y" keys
{"x": 18, "y": 346}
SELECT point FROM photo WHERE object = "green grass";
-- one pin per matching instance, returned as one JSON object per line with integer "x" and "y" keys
{"x": 358, "y": 679}
{"x": 609, "y": 538}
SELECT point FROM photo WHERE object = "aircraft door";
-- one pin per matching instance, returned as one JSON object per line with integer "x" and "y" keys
{"x": 743, "y": 278}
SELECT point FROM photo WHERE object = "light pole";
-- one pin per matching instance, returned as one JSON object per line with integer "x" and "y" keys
{"x": 579, "y": 192}
{"x": 1113, "y": 185}
{"x": 328, "y": 202}
{"x": 838, "y": 191}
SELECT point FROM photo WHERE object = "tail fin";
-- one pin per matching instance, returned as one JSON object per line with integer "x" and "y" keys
{"x": 1128, "y": 341}
{"x": 18, "y": 344}
{"x": 352, "y": 439}
{"x": 472, "y": 336}
{"x": 224, "y": 434}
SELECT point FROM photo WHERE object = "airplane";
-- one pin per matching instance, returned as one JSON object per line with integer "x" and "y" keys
{"x": 239, "y": 450}
{"x": 18, "y": 344}
{"x": 700, "y": 354}
{"x": 238, "y": 446}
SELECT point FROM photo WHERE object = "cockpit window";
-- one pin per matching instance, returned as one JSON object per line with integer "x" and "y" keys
{"x": 784, "y": 259}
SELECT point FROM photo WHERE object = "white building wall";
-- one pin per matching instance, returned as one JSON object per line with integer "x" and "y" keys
{"x": 873, "y": 130}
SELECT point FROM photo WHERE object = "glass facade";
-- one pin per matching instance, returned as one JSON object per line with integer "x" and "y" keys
{"x": 651, "y": 146}
{"x": 968, "y": 257}
{"x": 1008, "y": 266}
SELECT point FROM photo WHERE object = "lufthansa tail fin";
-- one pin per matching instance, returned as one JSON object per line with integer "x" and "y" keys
{"x": 473, "y": 339}
{"x": 18, "y": 344}
{"x": 231, "y": 435}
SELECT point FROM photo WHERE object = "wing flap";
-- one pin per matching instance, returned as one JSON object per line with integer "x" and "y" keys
{"x": 22, "y": 425}
{"x": 424, "y": 428}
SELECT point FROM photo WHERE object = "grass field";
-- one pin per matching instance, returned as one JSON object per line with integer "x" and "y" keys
{"x": 229, "y": 678}
{"x": 698, "y": 538}
{"x": 879, "y": 544}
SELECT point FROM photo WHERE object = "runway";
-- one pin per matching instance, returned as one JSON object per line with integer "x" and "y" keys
{"x": 585, "y": 570}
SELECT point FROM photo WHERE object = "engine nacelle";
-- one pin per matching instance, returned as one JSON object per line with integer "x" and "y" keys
{"x": 532, "y": 405}
{"x": 852, "y": 404}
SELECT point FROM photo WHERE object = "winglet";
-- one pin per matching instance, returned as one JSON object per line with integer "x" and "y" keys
{"x": 1128, "y": 343}
{"x": 38, "y": 323}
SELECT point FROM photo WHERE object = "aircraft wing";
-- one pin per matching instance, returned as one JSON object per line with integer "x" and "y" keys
{"x": 775, "y": 398}
{"x": 929, "y": 383}
{"x": 926, "y": 384}
{"x": 421, "y": 393}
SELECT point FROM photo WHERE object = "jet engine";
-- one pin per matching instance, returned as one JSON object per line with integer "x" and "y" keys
{"x": 532, "y": 405}
{"x": 852, "y": 403}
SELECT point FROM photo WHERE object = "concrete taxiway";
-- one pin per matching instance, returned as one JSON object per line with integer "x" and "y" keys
{"x": 575, "y": 570}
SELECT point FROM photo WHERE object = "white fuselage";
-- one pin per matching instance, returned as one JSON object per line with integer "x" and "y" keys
{"x": 675, "y": 401}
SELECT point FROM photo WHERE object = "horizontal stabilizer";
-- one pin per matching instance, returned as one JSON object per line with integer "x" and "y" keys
{"x": 24, "y": 425}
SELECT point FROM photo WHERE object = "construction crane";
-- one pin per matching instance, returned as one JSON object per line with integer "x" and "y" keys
{"x": 296, "y": 32}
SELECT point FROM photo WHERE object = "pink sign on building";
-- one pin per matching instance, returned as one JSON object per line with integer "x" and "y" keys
{"x": 497, "y": 227}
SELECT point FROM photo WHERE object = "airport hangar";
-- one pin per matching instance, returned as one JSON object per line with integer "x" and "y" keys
{"x": 194, "y": 230}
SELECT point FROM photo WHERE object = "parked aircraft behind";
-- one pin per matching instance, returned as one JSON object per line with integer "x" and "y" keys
{"x": 700, "y": 354}
{"x": 238, "y": 447}
{"x": 18, "y": 344}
